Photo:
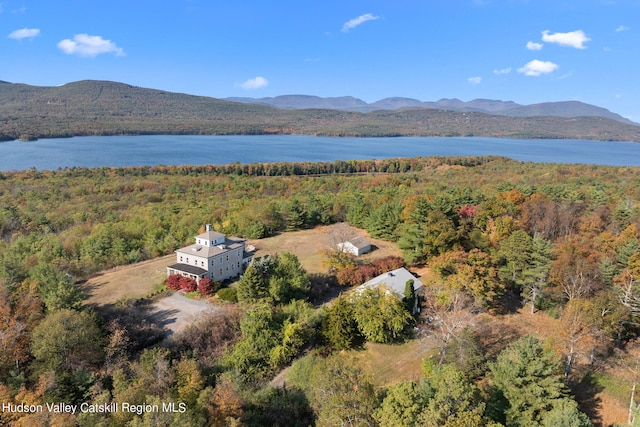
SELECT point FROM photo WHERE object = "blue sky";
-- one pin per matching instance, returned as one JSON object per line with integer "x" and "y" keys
{"x": 527, "y": 51}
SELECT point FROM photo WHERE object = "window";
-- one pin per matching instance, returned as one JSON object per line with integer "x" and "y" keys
{"x": 180, "y": 258}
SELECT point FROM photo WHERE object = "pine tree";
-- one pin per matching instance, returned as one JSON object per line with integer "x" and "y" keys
{"x": 530, "y": 378}
{"x": 534, "y": 279}
{"x": 410, "y": 296}
{"x": 251, "y": 287}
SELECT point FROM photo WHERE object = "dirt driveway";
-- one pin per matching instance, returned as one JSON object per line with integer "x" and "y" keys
{"x": 175, "y": 312}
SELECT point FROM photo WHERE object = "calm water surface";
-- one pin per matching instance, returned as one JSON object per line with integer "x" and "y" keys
{"x": 179, "y": 150}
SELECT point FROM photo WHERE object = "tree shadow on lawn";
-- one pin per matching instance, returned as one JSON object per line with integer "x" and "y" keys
{"x": 324, "y": 288}
{"x": 587, "y": 392}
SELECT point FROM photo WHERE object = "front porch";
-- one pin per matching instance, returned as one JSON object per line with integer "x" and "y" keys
{"x": 187, "y": 270}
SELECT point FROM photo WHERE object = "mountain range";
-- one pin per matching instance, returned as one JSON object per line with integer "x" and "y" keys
{"x": 488, "y": 106}
{"x": 93, "y": 107}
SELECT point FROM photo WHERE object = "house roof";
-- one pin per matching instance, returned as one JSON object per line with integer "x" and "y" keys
{"x": 191, "y": 269}
{"x": 360, "y": 242}
{"x": 394, "y": 281}
{"x": 210, "y": 235}
{"x": 210, "y": 251}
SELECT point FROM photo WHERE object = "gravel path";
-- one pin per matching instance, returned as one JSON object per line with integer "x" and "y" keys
{"x": 175, "y": 312}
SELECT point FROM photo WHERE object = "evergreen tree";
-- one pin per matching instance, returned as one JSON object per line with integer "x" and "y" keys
{"x": 252, "y": 287}
{"x": 383, "y": 221}
{"x": 340, "y": 329}
{"x": 296, "y": 217}
{"x": 410, "y": 296}
{"x": 412, "y": 234}
{"x": 515, "y": 251}
{"x": 288, "y": 279}
{"x": 530, "y": 378}
{"x": 535, "y": 277}
{"x": 358, "y": 211}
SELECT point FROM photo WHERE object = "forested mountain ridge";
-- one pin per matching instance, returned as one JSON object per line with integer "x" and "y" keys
{"x": 109, "y": 108}
{"x": 488, "y": 106}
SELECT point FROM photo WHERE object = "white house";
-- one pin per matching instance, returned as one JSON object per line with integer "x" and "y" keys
{"x": 213, "y": 256}
{"x": 357, "y": 246}
{"x": 395, "y": 281}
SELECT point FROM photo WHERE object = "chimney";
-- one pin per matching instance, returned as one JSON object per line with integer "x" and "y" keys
{"x": 207, "y": 227}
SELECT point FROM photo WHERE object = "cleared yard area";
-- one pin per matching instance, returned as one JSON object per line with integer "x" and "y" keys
{"x": 129, "y": 281}
{"x": 307, "y": 245}
{"x": 176, "y": 311}
{"x": 392, "y": 363}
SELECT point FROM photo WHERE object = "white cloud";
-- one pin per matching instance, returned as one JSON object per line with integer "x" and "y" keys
{"x": 575, "y": 39}
{"x": 254, "y": 83}
{"x": 622, "y": 28}
{"x": 502, "y": 71}
{"x": 351, "y": 24}
{"x": 536, "y": 68}
{"x": 534, "y": 46}
{"x": 24, "y": 33}
{"x": 475, "y": 80}
{"x": 89, "y": 46}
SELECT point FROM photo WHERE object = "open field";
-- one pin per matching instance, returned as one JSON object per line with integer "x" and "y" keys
{"x": 392, "y": 363}
{"x": 138, "y": 280}
{"x": 128, "y": 281}
{"x": 307, "y": 244}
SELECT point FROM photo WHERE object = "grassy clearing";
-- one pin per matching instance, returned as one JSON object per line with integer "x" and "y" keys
{"x": 130, "y": 281}
{"x": 139, "y": 280}
{"x": 391, "y": 363}
{"x": 307, "y": 244}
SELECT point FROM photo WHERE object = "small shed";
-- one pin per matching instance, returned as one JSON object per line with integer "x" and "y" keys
{"x": 357, "y": 246}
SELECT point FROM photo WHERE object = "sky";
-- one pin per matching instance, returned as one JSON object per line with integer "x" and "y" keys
{"x": 526, "y": 51}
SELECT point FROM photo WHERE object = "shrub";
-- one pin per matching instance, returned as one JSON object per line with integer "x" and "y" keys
{"x": 188, "y": 284}
{"x": 207, "y": 286}
{"x": 173, "y": 282}
{"x": 228, "y": 294}
{"x": 388, "y": 263}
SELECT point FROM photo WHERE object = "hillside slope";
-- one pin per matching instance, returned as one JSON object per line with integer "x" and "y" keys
{"x": 109, "y": 108}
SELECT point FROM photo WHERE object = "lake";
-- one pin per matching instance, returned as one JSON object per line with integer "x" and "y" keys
{"x": 97, "y": 151}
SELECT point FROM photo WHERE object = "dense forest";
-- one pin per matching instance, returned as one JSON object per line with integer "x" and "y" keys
{"x": 554, "y": 241}
{"x": 106, "y": 108}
